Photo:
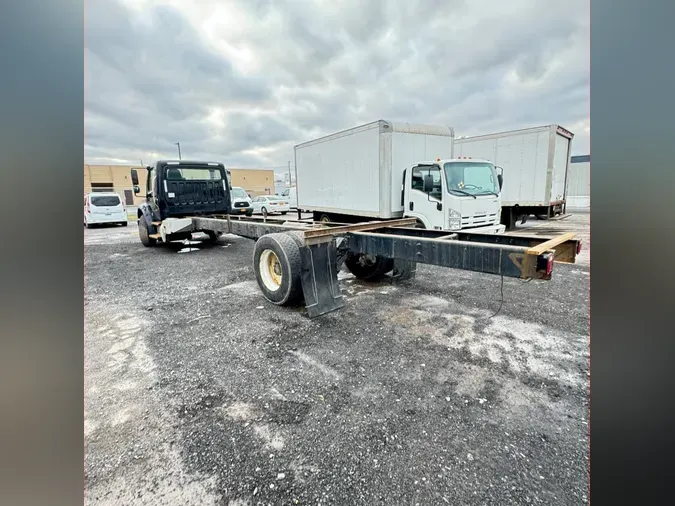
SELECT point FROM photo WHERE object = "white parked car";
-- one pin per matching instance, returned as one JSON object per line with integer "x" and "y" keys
{"x": 268, "y": 204}
{"x": 292, "y": 195}
{"x": 104, "y": 207}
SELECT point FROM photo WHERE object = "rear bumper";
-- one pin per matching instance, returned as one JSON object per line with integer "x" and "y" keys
{"x": 241, "y": 210}
{"x": 113, "y": 218}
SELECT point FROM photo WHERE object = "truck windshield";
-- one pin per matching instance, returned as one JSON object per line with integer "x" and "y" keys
{"x": 474, "y": 178}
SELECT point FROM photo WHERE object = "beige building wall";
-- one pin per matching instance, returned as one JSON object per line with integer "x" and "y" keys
{"x": 115, "y": 178}
{"x": 254, "y": 181}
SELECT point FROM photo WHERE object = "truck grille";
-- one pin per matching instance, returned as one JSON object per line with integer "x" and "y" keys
{"x": 480, "y": 220}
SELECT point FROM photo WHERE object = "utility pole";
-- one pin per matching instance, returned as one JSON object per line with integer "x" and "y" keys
{"x": 290, "y": 179}
{"x": 178, "y": 144}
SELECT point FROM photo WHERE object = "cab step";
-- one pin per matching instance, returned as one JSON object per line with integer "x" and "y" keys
{"x": 155, "y": 236}
{"x": 157, "y": 223}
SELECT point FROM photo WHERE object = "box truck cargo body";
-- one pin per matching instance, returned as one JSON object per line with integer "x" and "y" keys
{"x": 377, "y": 170}
{"x": 535, "y": 163}
{"x": 359, "y": 170}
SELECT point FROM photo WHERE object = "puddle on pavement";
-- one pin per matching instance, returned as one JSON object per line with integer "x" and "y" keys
{"x": 188, "y": 245}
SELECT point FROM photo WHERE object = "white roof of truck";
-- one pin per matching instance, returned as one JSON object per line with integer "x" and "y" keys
{"x": 390, "y": 126}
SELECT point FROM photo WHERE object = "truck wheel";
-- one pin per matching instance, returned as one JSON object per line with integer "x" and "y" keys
{"x": 368, "y": 267}
{"x": 144, "y": 233}
{"x": 277, "y": 267}
{"x": 509, "y": 219}
{"x": 213, "y": 236}
{"x": 249, "y": 213}
{"x": 324, "y": 218}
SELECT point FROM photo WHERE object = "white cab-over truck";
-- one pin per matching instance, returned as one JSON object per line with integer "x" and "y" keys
{"x": 535, "y": 163}
{"x": 386, "y": 170}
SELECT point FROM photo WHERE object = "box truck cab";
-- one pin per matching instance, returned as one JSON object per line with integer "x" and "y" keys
{"x": 453, "y": 194}
{"x": 292, "y": 196}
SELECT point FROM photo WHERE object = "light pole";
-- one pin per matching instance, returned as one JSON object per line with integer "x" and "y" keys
{"x": 178, "y": 144}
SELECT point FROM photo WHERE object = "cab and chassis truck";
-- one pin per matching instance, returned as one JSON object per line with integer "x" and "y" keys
{"x": 298, "y": 261}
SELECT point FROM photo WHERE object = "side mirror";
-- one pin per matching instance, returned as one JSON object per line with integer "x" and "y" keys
{"x": 428, "y": 183}
{"x": 137, "y": 189}
{"x": 500, "y": 179}
{"x": 134, "y": 178}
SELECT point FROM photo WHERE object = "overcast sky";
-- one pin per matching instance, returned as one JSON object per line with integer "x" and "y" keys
{"x": 242, "y": 82}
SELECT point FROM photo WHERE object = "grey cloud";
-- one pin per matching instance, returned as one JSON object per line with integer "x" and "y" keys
{"x": 153, "y": 81}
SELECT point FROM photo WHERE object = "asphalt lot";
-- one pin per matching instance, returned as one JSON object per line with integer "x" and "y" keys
{"x": 198, "y": 391}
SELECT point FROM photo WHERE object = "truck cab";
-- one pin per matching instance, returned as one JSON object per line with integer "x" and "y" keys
{"x": 454, "y": 194}
{"x": 176, "y": 188}
{"x": 180, "y": 188}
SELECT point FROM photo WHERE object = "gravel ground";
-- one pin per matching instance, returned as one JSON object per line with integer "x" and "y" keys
{"x": 197, "y": 391}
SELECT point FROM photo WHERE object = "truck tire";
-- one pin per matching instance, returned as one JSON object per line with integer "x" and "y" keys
{"x": 213, "y": 236}
{"x": 277, "y": 267}
{"x": 249, "y": 213}
{"x": 325, "y": 218}
{"x": 144, "y": 233}
{"x": 298, "y": 237}
{"x": 368, "y": 267}
{"x": 509, "y": 219}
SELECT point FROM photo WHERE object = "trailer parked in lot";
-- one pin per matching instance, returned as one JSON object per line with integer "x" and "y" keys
{"x": 386, "y": 170}
{"x": 535, "y": 163}
{"x": 299, "y": 261}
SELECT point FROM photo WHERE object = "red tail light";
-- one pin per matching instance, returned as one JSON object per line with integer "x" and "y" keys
{"x": 545, "y": 265}
{"x": 549, "y": 265}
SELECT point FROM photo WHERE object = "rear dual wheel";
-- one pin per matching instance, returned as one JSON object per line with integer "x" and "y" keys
{"x": 368, "y": 267}
{"x": 277, "y": 266}
{"x": 213, "y": 236}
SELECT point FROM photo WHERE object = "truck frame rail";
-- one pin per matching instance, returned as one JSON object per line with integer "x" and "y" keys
{"x": 371, "y": 249}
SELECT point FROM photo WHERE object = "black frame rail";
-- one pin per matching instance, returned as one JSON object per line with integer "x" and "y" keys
{"x": 324, "y": 246}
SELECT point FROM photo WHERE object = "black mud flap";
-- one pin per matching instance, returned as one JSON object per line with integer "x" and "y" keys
{"x": 319, "y": 279}
{"x": 404, "y": 270}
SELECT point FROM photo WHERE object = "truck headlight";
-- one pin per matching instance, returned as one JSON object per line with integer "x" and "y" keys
{"x": 454, "y": 220}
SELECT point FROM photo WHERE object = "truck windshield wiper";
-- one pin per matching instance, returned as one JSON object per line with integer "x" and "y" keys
{"x": 463, "y": 192}
{"x": 486, "y": 192}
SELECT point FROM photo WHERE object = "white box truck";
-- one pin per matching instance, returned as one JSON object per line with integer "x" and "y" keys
{"x": 535, "y": 164}
{"x": 388, "y": 170}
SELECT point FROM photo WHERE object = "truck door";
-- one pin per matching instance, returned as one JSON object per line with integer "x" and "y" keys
{"x": 151, "y": 191}
{"x": 427, "y": 207}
